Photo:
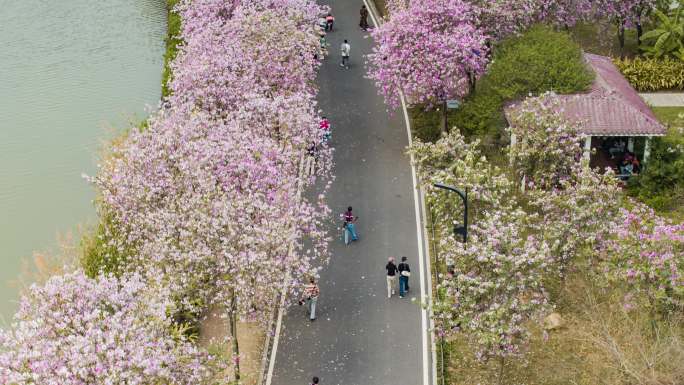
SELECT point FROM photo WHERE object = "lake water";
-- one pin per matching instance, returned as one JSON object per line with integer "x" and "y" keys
{"x": 72, "y": 73}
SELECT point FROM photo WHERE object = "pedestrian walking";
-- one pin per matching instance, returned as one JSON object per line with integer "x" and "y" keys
{"x": 324, "y": 45}
{"x": 345, "y": 49}
{"x": 364, "y": 18}
{"x": 391, "y": 276}
{"x": 348, "y": 227}
{"x": 326, "y": 130}
{"x": 329, "y": 21}
{"x": 404, "y": 274}
{"x": 310, "y": 167}
{"x": 311, "y": 293}
{"x": 314, "y": 381}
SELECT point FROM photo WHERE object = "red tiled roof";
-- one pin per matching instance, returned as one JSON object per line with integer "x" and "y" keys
{"x": 609, "y": 80}
{"x": 608, "y": 116}
{"x": 611, "y": 108}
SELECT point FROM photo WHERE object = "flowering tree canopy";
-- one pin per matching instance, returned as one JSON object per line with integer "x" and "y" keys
{"x": 205, "y": 202}
{"x": 76, "y": 330}
{"x": 225, "y": 64}
{"x": 497, "y": 277}
{"x": 211, "y": 208}
{"x": 209, "y": 195}
{"x": 429, "y": 51}
{"x": 501, "y": 18}
{"x": 577, "y": 215}
{"x": 547, "y": 146}
{"x": 497, "y": 285}
{"x": 624, "y": 12}
{"x": 647, "y": 252}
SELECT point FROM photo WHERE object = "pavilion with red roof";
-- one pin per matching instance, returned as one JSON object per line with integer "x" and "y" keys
{"x": 614, "y": 117}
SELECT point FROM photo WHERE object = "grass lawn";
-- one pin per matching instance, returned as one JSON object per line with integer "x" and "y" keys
{"x": 670, "y": 116}
{"x": 671, "y": 202}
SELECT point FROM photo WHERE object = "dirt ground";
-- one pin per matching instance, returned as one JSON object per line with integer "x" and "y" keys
{"x": 213, "y": 333}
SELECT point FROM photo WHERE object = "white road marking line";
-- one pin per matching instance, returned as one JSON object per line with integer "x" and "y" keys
{"x": 422, "y": 262}
{"x": 421, "y": 256}
{"x": 428, "y": 262}
{"x": 281, "y": 308}
{"x": 276, "y": 339}
{"x": 371, "y": 13}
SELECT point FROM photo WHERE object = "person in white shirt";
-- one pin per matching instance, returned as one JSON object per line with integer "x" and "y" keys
{"x": 345, "y": 48}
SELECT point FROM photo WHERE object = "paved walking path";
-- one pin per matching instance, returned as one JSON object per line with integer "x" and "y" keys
{"x": 360, "y": 337}
{"x": 664, "y": 99}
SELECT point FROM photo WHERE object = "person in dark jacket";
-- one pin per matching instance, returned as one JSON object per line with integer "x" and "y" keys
{"x": 404, "y": 274}
{"x": 364, "y": 18}
{"x": 391, "y": 276}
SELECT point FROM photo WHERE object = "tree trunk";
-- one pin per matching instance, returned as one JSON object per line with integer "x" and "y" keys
{"x": 233, "y": 332}
{"x": 621, "y": 38}
{"x": 445, "y": 119}
{"x": 501, "y": 370}
{"x": 472, "y": 82}
{"x": 639, "y": 28}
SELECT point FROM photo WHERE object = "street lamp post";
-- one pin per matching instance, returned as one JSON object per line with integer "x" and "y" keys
{"x": 463, "y": 230}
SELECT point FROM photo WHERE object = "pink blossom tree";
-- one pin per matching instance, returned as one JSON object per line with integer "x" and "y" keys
{"x": 496, "y": 285}
{"x": 647, "y": 253}
{"x": 496, "y": 288}
{"x": 546, "y": 148}
{"x": 625, "y": 14}
{"x": 209, "y": 198}
{"x": 212, "y": 212}
{"x": 254, "y": 53}
{"x": 576, "y": 216}
{"x": 76, "y": 330}
{"x": 430, "y": 51}
{"x": 501, "y": 18}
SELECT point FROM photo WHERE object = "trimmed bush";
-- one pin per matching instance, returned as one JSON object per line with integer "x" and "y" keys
{"x": 535, "y": 62}
{"x": 650, "y": 74}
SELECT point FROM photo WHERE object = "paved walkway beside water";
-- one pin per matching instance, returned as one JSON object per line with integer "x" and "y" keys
{"x": 360, "y": 337}
{"x": 664, "y": 99}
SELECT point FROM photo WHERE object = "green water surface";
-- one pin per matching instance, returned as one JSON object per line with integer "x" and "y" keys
{"x": 72, "y": 74}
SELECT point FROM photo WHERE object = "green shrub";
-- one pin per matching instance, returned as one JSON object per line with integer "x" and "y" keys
{"x": 172, "y": 42}
{"x": 661, "y": 184}
{"x": 650, "y": 74}
{"x": 426, "y": 124}
{"x": 481, "y": 114}
{"x": 98, "y": 254}
{"x": 537, "y": 61}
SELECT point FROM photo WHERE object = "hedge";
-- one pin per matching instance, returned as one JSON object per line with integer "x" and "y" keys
{"x": 650, "y": 74}
{"x": 537, "y": 61}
